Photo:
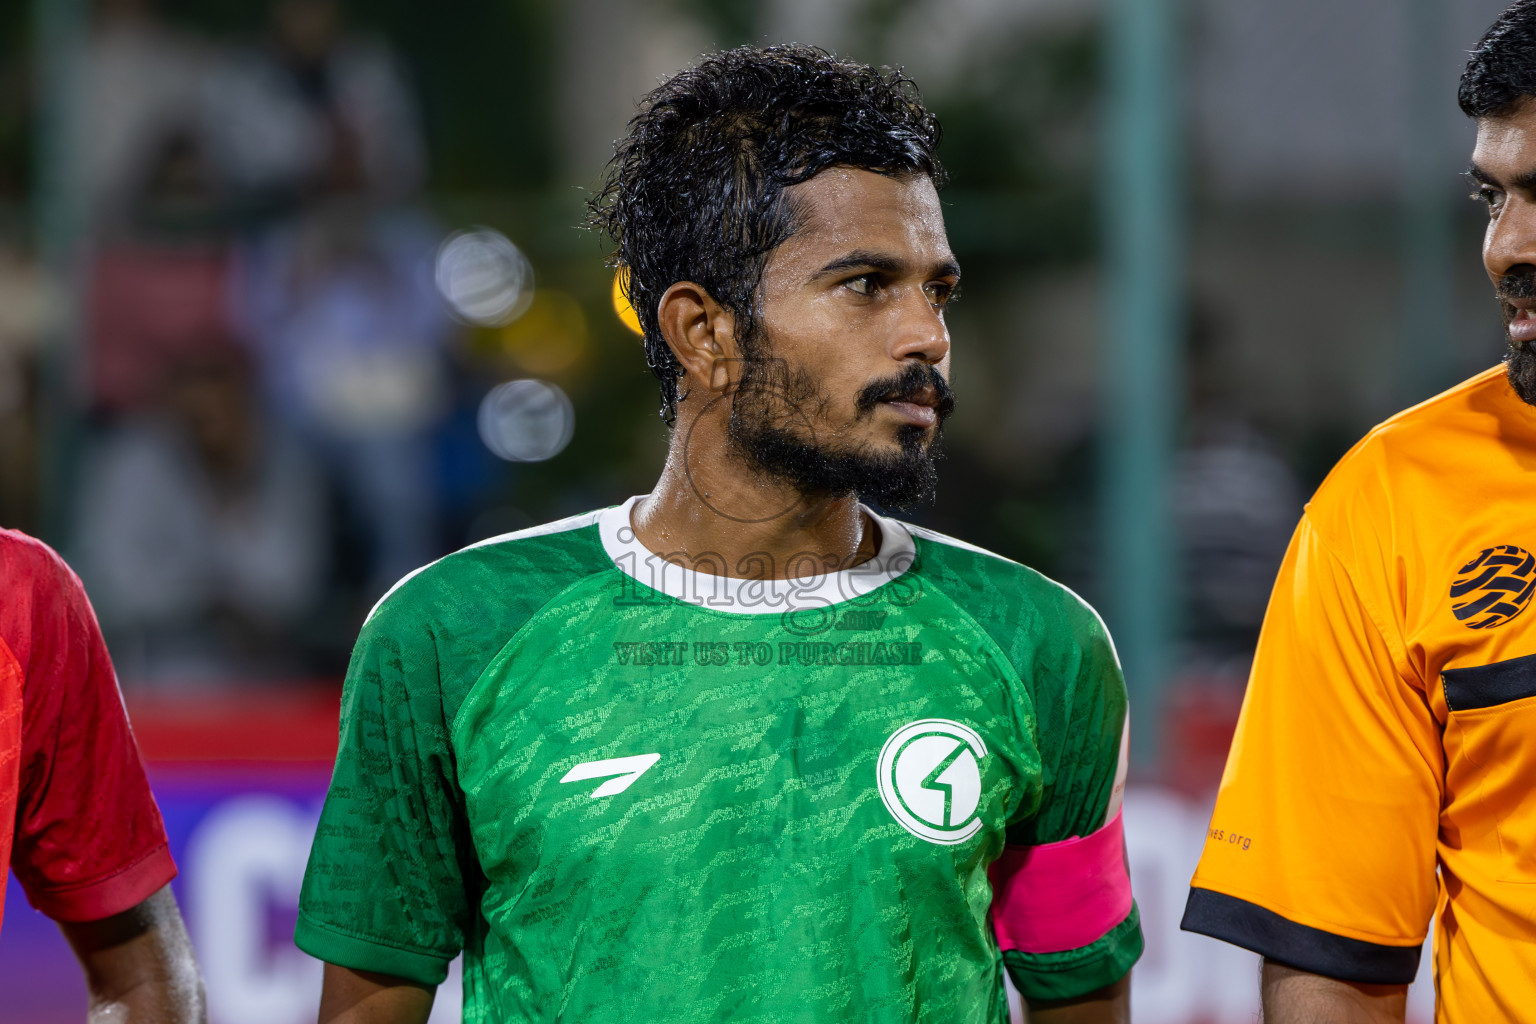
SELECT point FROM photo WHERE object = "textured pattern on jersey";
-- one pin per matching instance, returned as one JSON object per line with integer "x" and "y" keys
{"x": 392, "y": 843}
{"x": 752, "y": 872}
{"x": 1060, "y": 649}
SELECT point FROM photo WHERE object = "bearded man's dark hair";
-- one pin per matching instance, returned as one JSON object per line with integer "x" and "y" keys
{"x": 1501, "y": 71}
{"x": 696, "y": 189}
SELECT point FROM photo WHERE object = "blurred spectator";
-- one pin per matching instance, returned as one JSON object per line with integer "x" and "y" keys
{"x": 201, "y": 534}
{"x": 159, "y": 278}
{"x": 29, "y": 308}
{"x": 350, "y": 330}
{"x": 314, "y": 111}
{"x": 137, "y": 80}
{"x": 318, "y": 134}
{"x": 1235, "y": 501}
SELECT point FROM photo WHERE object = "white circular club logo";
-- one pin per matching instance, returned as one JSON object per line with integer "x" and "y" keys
{"x": 930, "y": 779}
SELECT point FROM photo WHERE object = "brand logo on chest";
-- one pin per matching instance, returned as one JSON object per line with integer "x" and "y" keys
{"x": 621, "y": 772}
{"x": 1494, "y": 587}
{"x": 929, "y": 775}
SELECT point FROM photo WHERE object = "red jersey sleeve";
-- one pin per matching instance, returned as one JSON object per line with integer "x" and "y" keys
{"x": 89, "y": 841}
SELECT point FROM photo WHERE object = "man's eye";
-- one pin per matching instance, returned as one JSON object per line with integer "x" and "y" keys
{"x": 1488, "y": 196}
{"x": 939, "y": 293}
{"x": 862, "y": 285}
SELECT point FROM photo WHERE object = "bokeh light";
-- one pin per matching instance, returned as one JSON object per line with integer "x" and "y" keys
{"x": 621, "y": 306}
{"x": 484, "y": 278}
{"x": 526, "y": 420}
{"x": 549, "y": 338}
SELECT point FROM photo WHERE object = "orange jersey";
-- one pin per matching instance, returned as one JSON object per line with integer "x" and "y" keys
{"x": 1389, "y": 729}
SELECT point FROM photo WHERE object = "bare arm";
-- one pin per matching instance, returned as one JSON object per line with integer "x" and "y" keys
{"x": 138, "y": 965}
{"x": 1109, "y": 1005}
{"x": 363, "y": 997}
{"x": 1297, "y": 997}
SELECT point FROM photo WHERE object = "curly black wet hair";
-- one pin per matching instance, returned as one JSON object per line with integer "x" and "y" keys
{"x": 695, "y": 190}
{"x": 1501, "y": 71}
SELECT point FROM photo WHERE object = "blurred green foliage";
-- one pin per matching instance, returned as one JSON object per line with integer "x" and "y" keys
{"x": 1019, "y": 142}
{"x": 1020, "y": 126}
{"x": 731, "y": 22}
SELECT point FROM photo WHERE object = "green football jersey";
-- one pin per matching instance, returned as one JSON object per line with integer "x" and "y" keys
{"x": 632, "y": 791}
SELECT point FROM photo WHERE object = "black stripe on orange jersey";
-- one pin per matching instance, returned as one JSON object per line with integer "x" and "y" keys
{"x": 1485, "y": 686}
{"x": 1309, "y": 949}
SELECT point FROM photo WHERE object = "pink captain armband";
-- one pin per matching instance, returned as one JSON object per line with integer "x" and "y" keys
{"x": 1061, "y": 896}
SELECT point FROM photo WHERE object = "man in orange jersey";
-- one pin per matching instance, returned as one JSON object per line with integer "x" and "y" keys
{"x": 1390, "y": 724}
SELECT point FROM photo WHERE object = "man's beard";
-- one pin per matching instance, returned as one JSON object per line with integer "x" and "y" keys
{"x": 1520, "y": 359}
{"x": 774, "y": 409}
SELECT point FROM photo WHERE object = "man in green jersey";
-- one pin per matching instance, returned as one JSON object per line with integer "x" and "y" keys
{"x": 742, "y": 748}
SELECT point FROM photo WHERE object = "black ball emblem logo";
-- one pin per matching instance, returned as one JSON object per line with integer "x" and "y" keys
{"x": 1494, "y": 587}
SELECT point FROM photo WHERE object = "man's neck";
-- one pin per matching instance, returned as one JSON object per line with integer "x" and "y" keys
{"x": 712, "y": 516}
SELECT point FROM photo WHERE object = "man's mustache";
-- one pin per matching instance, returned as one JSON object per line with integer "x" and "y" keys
{"x": 1519, "y": 283}
{"x": 910, "y": 386}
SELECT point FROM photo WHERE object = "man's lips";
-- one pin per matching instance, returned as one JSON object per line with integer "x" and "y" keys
{"x": 1522, "y": 324}
{"x": 919, "y": 410}
{"x": 920, "y": 399}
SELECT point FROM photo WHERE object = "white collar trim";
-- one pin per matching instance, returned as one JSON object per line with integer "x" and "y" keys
{"x": 754, "y": 596}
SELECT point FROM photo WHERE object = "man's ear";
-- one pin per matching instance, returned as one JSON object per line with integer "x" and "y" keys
{"x": 701, "y": 333}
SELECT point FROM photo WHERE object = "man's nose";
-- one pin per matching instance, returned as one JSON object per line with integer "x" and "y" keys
{"x": 921, "y": 333}
{"x": 1511, "y": 238}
